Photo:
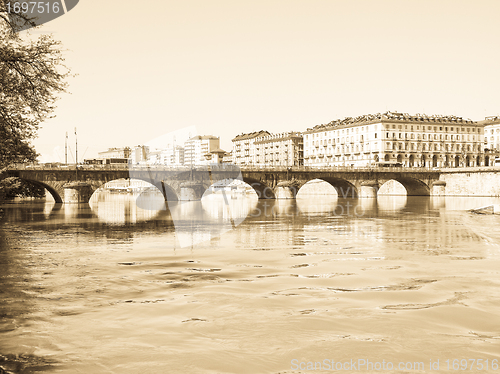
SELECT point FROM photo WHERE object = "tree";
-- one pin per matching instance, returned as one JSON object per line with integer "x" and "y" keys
{"x": 32, "y": 74}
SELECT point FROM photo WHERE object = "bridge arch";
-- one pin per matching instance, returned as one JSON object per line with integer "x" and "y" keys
{"x": 165, "y": 189}
{"x": 262, "y": 190}
{"x": 413, "y": 186}
{"x": 55, "y": 192}
{"x": 344, "y": 188}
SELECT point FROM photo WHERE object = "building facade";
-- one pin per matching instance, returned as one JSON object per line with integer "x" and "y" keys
{"x": 139, "y": 154}
{"x": 197, "y": 147}
{"x": 123, "y": 152}
{"x": 244, "y": 147}
{"x": 172, "y": 156}
{"x": 491, "y": 139}
{"x": 285, "y": 149}
{"x": 398, "y": 139}
{"x": 227, "y": 158}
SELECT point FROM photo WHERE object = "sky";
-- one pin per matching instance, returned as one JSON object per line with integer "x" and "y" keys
{"x": 226, "y": 67}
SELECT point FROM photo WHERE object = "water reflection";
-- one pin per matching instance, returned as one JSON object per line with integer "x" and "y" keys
{"x": 118, "y": 209}
{"x": 214, "y": 215}
{"x": 318, "y": 206}
{"x": 368, "y": 204}
{"x": 293, "y": 275}
{"x": 391, "y": 204}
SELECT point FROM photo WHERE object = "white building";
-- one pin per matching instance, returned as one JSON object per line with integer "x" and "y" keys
{"x": 172, "y": 156}
{"x": 197, "y": 147}
{"x": 491, "y": 139}
{"x": 244, "y": 147}
{"x": 391, "y": 137}
{"x": 139, "y": 154}
{"x": 123, "y": 152}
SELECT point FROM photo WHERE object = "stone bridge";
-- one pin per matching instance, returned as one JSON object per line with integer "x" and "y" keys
{"x": 77, "y": 184}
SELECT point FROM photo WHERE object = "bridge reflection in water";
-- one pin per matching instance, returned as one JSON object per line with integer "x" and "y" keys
{"x": 200, "y": 221}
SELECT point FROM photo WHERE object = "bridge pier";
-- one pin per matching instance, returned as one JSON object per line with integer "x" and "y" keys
{"x": 438, "y": 188}
{"x": 368, "y": 189}
{"x": 191, "y": 191}
{"x": 77, "y": 192}
{"x": 285, "y": 190}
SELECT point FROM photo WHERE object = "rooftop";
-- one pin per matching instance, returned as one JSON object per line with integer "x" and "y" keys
{"x": 201, "y": 137}
{"x": 251, "y": 135}
{"x": 392, "y": 116}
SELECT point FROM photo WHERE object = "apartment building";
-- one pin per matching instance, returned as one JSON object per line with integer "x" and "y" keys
{"x": 173, "y": 156}
{"x": 244, "y": 147}
{"x": 197, "y": 147}
{"x": 285, "y": 149}
{"x": 139, "y": 154}
{"x": 396, "y": 138}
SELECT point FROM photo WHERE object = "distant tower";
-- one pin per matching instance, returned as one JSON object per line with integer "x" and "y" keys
{"x": 66, "y": 149}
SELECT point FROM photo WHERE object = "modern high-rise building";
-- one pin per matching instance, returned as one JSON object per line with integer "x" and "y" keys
{"x": 197, "y": 147}
{"x": 139, "y": 154}
{"x": 172, "y": 156}
{"x": 398, "y": 139}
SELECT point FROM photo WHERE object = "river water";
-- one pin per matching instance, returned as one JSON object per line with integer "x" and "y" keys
{"x": 119, "y": 286}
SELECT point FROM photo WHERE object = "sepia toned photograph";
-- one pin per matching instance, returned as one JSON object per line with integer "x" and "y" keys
{"x": 249, "y": 187}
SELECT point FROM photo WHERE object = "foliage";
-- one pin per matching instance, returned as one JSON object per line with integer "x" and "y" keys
{"x": 32, "y": 74}
{"x": 10, "y": 187}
